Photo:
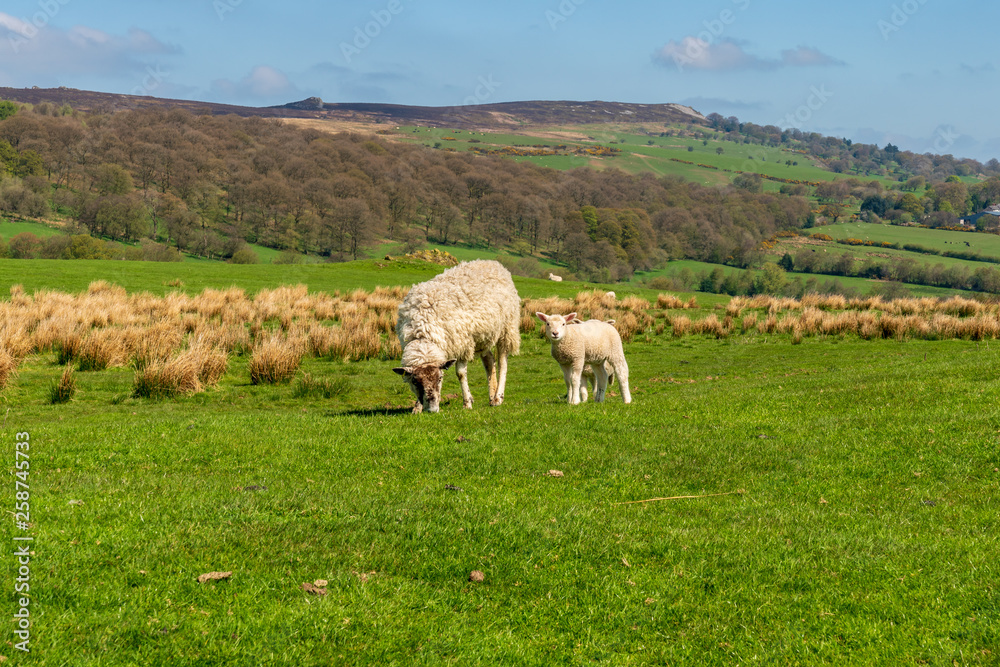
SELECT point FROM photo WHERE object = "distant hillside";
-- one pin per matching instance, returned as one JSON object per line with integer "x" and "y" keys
{"x": 501, "y": 115}
{"x": 507, "y": 114}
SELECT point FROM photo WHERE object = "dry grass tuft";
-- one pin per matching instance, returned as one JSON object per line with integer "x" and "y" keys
{"x": 669, "y": 302}
{"x": 166, "y": 379}
{"x": 63, "y": 390}
{"x": 274, "y": 360}
{"x": 101, "y": 349}
{"x": 8, "y": 367}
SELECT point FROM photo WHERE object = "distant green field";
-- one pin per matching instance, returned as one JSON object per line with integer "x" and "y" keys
{"x": 9, "y": 229}
{"x": 938, "y": 239}
{"x": 155, "y": 277}
{"x": 642, "y": 153}
{"x": 861, "y": 285}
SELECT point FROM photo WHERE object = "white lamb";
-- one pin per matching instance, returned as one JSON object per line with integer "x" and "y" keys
{"x": 591, "y": 343}
{"x": 554, "y": 277}
{"x": 462, "y": 313}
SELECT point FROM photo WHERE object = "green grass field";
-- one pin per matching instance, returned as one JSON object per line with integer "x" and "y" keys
{"x": 845, "y": 509}
{"x": 937, "y": 239}
{"x": 641, "y": 152}
{"x": 10, "y": 228}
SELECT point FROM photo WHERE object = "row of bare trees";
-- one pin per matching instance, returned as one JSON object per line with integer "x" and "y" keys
{"x": 201, "y": 181}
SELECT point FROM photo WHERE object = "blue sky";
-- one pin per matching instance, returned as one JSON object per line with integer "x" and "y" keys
{"x": 917, "y": 73}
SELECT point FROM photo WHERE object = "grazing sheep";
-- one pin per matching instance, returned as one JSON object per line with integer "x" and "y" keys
{"x": 462, "y": 313}
{"x": 554, "y": 277}
{"x": 592, "y": 343}
{"x": 611, "y": 295}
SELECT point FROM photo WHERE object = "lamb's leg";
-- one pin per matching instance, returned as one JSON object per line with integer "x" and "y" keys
{"x": 491, "y": 375}
{"x": 568, "y": 377}
{"x": 462, "y": 368}
{"x": 600, "y": 382}
{"x": 576, "y": 373}
{"x": 502, "y": 379}
{"x": 621, "y": 371}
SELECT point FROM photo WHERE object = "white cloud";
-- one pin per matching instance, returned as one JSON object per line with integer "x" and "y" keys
{"x": 37, "y": 53}
{"x": 695, "y": 53}
{"x": 728, "y": 54}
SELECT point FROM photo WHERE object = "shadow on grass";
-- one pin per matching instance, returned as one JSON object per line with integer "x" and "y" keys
{"x": 372, "y": 412}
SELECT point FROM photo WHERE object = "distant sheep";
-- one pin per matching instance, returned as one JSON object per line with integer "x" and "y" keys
{"x": 462, "y": 313}
{"x": 593, "y": 343}
{"x": 611, "y": 295}
{"x": 554, "y": 277}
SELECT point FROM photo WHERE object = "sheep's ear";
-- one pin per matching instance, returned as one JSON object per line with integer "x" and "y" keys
{"x": 400, "y": 371}
{"x": 446, "y": 365}
{"x": 543, "y": 317}
{"x": 570, "y": 317}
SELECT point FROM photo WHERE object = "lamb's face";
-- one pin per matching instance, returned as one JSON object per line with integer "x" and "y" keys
{"x": 555, "y": 325}
{"x": 425, "y": 382}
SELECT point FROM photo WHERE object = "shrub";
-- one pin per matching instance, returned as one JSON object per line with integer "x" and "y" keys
{"x": 63, "y": 390}
{"x": 289, "y": 257}
{"x": 25, "y": 246}
{"x": 244, "y": 255}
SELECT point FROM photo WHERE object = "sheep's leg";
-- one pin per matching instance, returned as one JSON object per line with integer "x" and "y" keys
{"x": 502, "y": 377}
{"x": 621, "y": 371}
{"x": 568, "y": 377}
{"x": 491, "y": 375}
{"x": 576, "y": 373}
{"x": 462, "y": 368}
{"x": 600, "y": 382}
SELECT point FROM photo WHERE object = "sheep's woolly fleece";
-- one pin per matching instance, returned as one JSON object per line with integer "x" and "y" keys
{"x": 464, "y": 310}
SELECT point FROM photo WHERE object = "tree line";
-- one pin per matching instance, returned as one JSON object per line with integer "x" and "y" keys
{"x": 207, "y": 184}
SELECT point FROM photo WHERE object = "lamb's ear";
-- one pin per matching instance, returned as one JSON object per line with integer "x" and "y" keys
{"x": 400, "y": 371}
{"x": 570, "y": 317}
{"x": 543, "y": 317}
{"x": 446, "y": 365}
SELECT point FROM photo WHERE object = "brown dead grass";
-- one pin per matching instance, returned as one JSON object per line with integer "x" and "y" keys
{"x": 275, "y": 360}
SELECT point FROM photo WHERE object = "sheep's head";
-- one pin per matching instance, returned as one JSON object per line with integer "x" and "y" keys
{"x": 425, "y": 381}
{"x": 555, "y": 325}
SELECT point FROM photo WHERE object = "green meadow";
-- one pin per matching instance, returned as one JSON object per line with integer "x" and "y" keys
{"x": 827, "y": 500}
{"x": 937, "y": 239}
{"x": 642, "y": 150}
